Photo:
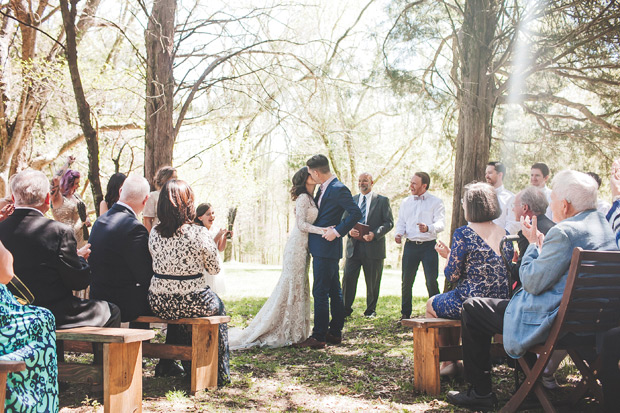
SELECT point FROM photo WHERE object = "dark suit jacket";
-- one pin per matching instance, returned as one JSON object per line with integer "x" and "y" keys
{"x": 544, "y": 224}
{"x": 46, "y": 260}
{"x": 380, "y": 221}
{"x": 336, "y": 200}
{"x": 120, "y": 262}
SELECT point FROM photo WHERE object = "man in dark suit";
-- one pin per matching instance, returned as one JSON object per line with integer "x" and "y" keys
{"x": 121, "y": 263}
{"x": 46, "y": 257}
{"x": 333, "y": 199}
{"x": 369, "y": 253}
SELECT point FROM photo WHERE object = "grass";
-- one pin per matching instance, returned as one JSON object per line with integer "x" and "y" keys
{"x": 371, "y": 370}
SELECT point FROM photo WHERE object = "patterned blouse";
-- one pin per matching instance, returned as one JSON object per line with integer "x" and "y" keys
{"x": 477, "y": 269}
{"x": 188, "y": 252}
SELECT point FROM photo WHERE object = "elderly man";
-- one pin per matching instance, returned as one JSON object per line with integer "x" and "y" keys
{"x": 121, "y": 262}
{"x": 368, "y": 252}
{"x": 46, "y": 257}
{"x": 526, "y": 319}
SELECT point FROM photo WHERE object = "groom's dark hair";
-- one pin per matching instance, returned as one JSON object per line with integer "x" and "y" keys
{"x": 318, "y": 162}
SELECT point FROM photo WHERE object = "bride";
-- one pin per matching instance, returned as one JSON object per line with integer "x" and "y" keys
{"x": 285, "y": 317}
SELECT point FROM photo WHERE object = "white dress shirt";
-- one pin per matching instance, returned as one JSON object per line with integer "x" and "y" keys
{"x": 424, "y": 209}
{"x": 507, "y": 219}
{"x": 128, "y": 207}
{"x": 368, "y": 200}
{"x": 323, "y": 187}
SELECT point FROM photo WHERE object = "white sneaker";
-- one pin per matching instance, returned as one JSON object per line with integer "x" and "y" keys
{"x": 549, "y": 382}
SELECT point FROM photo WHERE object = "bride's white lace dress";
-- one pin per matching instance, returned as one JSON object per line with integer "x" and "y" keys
{"x": 285, "y": 317}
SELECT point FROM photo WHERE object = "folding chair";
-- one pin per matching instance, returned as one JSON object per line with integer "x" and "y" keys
{"x": 589, "y": 307}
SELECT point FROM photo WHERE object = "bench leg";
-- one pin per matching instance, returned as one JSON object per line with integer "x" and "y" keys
{"x": 2, "y": 389}
{"x": 204, "y": 357}
{"x": 426, "y": 360}
{"x": 122, "y": 377}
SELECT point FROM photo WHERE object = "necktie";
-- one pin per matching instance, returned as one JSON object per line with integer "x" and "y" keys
{"x": 363, "y": 208}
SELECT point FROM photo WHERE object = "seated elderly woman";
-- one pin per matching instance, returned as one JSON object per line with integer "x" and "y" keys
{"x": 181, "y": 252}
{"x": 474, "y": 262}
{"x": 27, "y": 334}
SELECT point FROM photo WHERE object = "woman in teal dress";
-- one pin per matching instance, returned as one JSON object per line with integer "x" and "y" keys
{"x": 27, "y": 333}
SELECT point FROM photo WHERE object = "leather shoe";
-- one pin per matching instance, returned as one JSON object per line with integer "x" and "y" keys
{"x": 332, "y": 339}
{"x": 168, "y": 368}
{"x": 472, "y": 400}
{"x": 310, "y": 342}
{"x": 371, "y": 315}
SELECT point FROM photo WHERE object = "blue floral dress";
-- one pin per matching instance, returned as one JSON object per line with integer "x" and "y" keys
{"x": 28, "y": 333}
{"x": 479, "y": 271}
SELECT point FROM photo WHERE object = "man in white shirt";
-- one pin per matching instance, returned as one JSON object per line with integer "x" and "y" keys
{"x": 420, "y": 219}
{"x": 494, "y": 175}
{"x": 539, "y": 175}
{"x": 602, "y": 206}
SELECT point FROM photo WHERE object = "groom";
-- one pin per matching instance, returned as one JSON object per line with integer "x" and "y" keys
{"x": 332, "y": 199}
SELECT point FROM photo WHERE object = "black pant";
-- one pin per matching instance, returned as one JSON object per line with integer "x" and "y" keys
{"x": 373, "y": 270}
{"x": 610, "y": 371}
{"x": 481, "y": 318}
{"x": 413, "y": 254}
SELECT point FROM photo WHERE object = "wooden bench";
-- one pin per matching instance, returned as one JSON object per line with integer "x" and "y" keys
{"x": 121, "y": 371}
{"x": 428, "y": 354}
{"x": 7, "y": 367}
{"x": 203, "y": 352}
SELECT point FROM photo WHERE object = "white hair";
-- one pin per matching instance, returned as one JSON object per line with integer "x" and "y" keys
{"x": 134, "y": 189}
{"x": 30, "y": 188}
{"x": 576, "y": 188}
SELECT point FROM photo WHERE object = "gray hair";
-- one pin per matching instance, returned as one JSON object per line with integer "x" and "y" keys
{"x": 30, "y": 188}
{"x": 134, "y": 189}
{"x": 576, "y": 188}
{"x": 535, "y": 199}
{"x": 480, "y": 202}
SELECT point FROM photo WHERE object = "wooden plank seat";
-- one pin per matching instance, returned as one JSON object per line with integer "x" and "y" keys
{"x": 428, "y": 354}
{"x": 6, "y": 367}
{"x": 121, "y": 369}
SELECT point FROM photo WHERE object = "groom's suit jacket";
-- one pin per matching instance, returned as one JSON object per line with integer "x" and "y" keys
{"x": 336, "y": 200}
{"x": 380, "y": 221}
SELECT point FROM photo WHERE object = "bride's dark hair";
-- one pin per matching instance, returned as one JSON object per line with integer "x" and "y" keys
{"x": 299, "y": 183}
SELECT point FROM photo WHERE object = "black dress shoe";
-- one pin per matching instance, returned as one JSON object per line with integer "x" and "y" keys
{"x": 472, "y": 400}
{"x": 310, "y": 342}
{"x": 370, "y": 315}
{"x": 333, "y": 339}
{"x": 168, "y": 368}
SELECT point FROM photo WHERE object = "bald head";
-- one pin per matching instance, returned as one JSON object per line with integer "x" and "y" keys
{"x": 365, "y": 183}
{"x": 135, "y": 192}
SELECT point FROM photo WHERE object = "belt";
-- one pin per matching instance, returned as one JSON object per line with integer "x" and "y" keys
{"x": 178, "y": 277}
{"x": 409, "y": 241}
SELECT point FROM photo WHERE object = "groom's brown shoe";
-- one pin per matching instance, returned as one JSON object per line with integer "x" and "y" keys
{"x": 310, "y": 342}
{"x": 332, "y": 339}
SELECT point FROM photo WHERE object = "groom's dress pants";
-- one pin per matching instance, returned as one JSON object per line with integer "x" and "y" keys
{"x": 327, "y": 296}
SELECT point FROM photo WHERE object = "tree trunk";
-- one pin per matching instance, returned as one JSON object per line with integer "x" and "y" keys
{"x": 159, "y": 135}
{"x": 90, "y": 134}
{"x": 476, "y": 99}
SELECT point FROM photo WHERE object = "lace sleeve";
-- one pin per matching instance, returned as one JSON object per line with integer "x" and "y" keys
{"x": 302, "y": 204}
{"x": 209, "y": 250}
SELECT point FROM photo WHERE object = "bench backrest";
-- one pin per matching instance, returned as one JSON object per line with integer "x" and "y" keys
{"x": 591, "y": 300}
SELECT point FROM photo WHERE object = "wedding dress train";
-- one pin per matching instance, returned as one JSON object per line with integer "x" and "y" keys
{"x": 284, "y": 319}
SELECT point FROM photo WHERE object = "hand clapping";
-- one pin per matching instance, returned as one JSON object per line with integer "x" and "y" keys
{"x": 531, "y": 232}
{"x": 442, "y": 249}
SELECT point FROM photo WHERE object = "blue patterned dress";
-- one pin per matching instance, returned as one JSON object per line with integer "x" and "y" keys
{"x": 28, "y": 333}
{"x": 479, "y": 271}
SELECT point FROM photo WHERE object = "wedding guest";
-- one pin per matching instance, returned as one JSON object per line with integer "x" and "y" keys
{"x": 181, "y": 253}
{"x": 602, "y": 206}
{"x": 149, "y": 216}
{"x": 526, "y": 319}
{"x": 205, "y": 216}
{"x": 474, "y": 263}
{"x": 420, "y": 219}
{"x": 112, "y": 192}
{"x": 66, "y": 203}
{"x": 6, "y": 208}
{"x": 47, "y": 258}
{"x": 27, "y": 333}
{"x": 120, "y": 262}
{"x": 539, "y": 175}
{"x": 494, "y": 175}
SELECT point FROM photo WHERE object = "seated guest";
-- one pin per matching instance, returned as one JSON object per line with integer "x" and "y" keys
{"x": 474, "y": 262}
{"x": 27, "y": 334}
{"x": 526, "y": 319}
{"x": 181, "y": 252}
{"x": 112, "y": 192}
{"x": 121, "y": 262}
{"x": 47, "y": 259}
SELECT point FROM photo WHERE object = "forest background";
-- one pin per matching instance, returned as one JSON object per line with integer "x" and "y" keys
{"x": 237, "y": 95}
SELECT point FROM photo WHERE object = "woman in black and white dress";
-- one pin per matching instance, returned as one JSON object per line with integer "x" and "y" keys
{"x": 181, "y": 253}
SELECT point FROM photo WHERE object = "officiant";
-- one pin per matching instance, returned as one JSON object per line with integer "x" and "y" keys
{"x": 366, "y": 246}
{"x": 420, "y": 219}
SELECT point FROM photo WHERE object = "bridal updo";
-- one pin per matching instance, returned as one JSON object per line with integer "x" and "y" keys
{"x": 299, "y": 183}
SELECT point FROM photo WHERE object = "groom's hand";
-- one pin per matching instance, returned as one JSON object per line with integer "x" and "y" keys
{"x": 331, "y": 234}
